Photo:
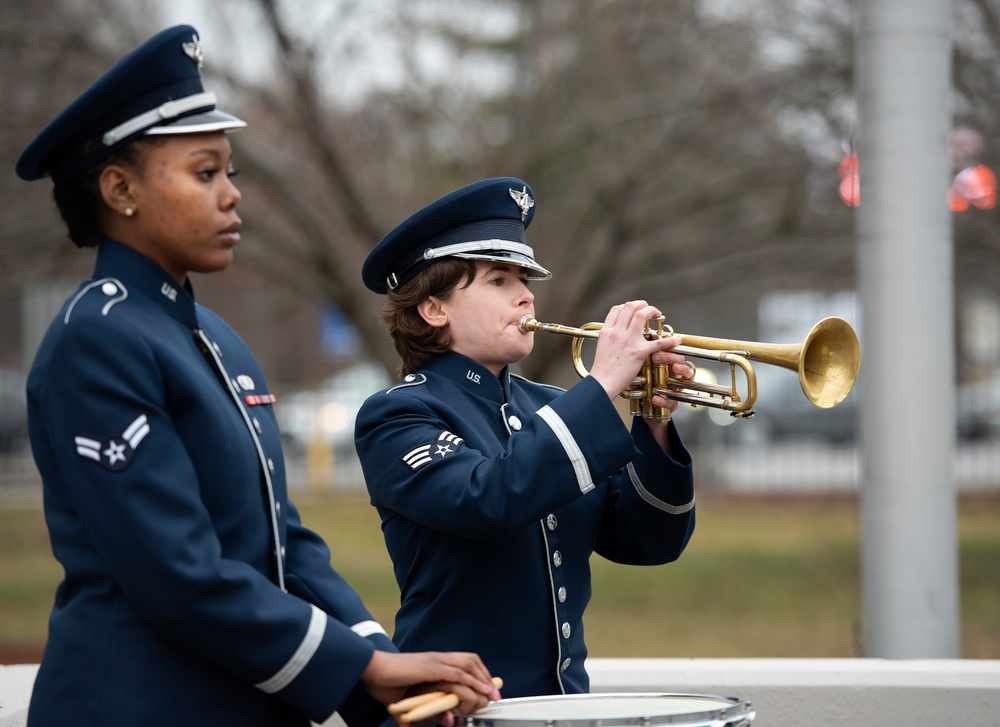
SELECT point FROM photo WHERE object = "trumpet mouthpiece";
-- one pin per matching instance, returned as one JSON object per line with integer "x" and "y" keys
{"x": 525, "y": 324}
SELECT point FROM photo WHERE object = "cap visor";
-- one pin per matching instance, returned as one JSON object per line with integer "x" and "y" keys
{"x": 196, "y": 123}
{"x": 510, "y": 258}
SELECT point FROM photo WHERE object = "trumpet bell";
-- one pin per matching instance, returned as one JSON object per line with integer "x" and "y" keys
{"x": 829, "y": 362}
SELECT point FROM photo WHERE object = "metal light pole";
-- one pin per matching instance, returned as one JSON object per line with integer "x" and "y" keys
{"x": 910, "y": 551}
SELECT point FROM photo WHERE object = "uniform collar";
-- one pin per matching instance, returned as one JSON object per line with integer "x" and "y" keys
{"x": 471, "y": 376}
{"x": 140, "y": 274}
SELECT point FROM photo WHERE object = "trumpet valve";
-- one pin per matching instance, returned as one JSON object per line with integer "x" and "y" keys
{"x": 654, "y": 329}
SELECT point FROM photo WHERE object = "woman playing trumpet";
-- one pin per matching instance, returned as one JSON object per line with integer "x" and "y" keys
{"x": 493, "y": 490}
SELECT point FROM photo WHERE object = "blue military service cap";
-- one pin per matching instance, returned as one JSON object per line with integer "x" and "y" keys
{"x": 155, "y": 89}
{"x": 484, "y": 220}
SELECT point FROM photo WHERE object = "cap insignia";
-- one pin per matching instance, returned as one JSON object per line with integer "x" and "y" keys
{"x": 523, "y": 200}
{"x": 193, "y": 50}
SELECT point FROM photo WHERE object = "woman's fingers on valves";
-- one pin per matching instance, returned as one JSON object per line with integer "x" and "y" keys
{"x": 683, "y": 370}
{"x": 645, "y": 312}
{"x": 664, "y": 402}
{"x": 624, "y": 313}
{"x": 662, "y": 354}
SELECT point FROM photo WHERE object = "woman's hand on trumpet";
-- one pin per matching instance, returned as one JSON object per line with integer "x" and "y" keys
{"x": 622, "y": 349}
{"x": 389, "y": 677}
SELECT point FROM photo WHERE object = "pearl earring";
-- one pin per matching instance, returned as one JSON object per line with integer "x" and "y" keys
{"x": 129, "y": 211}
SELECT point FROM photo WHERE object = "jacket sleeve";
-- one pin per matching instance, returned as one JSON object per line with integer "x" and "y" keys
{"x": 649, "y": 513}
{"x": 146, "y": 524}
{"x": 309, "y": 575}
{"x": 485, "y": 489}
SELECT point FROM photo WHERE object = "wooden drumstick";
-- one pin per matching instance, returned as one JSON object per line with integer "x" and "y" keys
{"x": 428, "y": 707}
{"x": 405, "y": 705}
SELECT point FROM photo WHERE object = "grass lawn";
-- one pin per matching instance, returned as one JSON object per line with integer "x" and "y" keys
{"x": 762, "y": 577}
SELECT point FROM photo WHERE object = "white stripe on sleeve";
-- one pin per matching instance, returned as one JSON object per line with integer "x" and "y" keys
{"x": 368, "y": 628}
{"x": 652, "y": 499}
{"x": 310, "y": 643}
{"x": 573, "y": 451}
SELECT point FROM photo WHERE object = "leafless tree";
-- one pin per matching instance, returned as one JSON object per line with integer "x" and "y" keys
{"x": 679, "y": 153}
{"x": 656, "y": 137}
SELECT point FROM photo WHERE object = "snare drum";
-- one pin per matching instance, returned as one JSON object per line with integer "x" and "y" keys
{"x": 609, "y": 710}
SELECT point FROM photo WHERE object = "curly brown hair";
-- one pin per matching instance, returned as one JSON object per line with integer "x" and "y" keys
{"x": 417, "y": 342}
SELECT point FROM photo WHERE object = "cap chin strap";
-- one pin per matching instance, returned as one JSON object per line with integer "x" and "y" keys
{"x": 479, "y": 246}
{"x": 392, "y": 281}
{"x": 168, "y": 110}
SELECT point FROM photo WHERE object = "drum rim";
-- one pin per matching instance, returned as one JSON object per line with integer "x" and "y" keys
{"x": 735, "y": 711}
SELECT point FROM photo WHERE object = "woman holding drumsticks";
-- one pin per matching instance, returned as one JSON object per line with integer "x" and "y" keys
{"x": 193, "y": 594}
{"x": 494, "y": 491}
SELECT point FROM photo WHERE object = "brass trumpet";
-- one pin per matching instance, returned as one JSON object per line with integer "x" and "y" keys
{"x": 827, "y": 362}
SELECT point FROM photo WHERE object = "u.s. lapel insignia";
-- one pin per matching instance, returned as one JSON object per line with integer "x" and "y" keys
{"x": 116, "y": 452}
{"x": 523, "y": 200}
{"x": 446, "y": 444}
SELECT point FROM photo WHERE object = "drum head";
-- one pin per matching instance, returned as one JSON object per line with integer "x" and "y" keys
{"x": 609, "y": 710}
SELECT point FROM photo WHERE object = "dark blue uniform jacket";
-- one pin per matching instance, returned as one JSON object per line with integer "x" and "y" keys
{"x": 494, "y": 493}
{"x": 192, "y": 593}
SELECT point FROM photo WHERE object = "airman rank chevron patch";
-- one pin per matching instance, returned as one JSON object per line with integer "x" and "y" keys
{"x": 446, "y": 443}
{"x": 114, "y": 453}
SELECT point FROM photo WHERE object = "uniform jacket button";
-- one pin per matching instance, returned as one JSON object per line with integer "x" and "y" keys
{"x": 514, "y": 422}
{"x": 557, "y": 559}
{"x": 551, "y": 523}
{"x": 566, "y": 630}
{"x": 561, "y": 594}
{"x": 565, "y": 664}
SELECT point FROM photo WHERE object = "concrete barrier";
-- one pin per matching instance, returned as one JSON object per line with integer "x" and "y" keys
{"x": 784, "y": 692}
{"x": 824, "y": 692}
{"x": 15, "y": 690}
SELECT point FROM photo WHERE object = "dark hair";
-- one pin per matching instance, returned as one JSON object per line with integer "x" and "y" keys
{"x": 415, "y": 340}
{"x": 79, "y": 197}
